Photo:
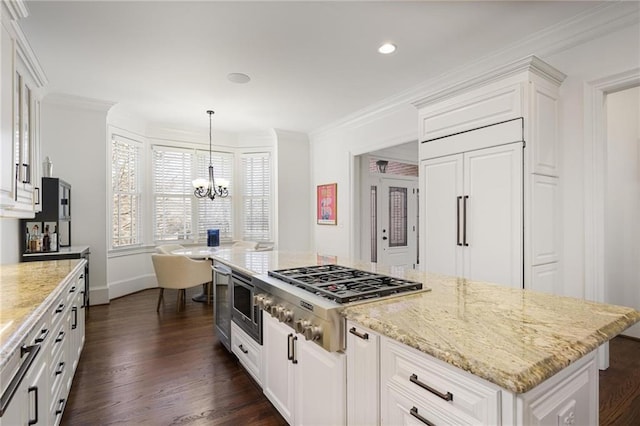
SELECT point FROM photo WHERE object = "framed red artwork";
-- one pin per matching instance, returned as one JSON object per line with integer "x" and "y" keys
{"x": 327, "y": 204}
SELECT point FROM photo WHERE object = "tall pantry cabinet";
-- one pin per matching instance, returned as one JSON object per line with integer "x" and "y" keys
{"x": 489, "y": 177}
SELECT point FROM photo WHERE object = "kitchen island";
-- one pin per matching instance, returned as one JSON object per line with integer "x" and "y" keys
{"x": 513, "y": 340}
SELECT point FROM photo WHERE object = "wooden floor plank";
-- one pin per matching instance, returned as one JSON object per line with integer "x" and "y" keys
{"x": 140, "y": 367}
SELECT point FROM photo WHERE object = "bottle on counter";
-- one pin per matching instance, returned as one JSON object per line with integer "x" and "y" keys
{"x": 46, "y": 240}
{"x": 53, "y": 245}
{"x": 28, "y": 240}
{"x": 35, "y": 239}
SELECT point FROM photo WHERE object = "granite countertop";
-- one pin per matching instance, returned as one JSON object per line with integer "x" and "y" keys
{"x": 26, "y": 291}
{"x": 511, "y": 337}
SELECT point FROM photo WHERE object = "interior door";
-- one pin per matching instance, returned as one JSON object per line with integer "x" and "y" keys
{"x": 397, "y": 232}
{"x": 442, "y": 204}
{"x": 492, "y": 204}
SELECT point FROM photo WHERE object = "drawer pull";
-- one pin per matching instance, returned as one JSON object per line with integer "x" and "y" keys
{"x": 364, "y": 336}
{"x": 43, "y": 335}
{"x": 60, "y": 308}
{"x": 244, "y": 351}
{"x": 446, "y": 396}
{"x": 60, "y": 368}
{"x": 414, "y": 413}
{"x": 61, "y": 404}
{"x": 60, "y": 337}
{"x": 72, "y": 289}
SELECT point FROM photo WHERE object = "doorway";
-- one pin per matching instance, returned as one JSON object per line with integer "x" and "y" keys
{"x": 622, "y": 201}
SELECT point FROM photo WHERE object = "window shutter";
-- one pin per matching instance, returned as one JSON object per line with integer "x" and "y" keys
{"x": 173, "y": 193}
{"x": 257, "y": 199}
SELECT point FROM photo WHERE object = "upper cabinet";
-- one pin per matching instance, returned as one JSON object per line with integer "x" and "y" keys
{"x": 21, "y": 84}
{"x": 489, "y": 177}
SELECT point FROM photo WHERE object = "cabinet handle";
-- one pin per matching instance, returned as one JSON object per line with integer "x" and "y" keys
{"x": 82, "y": 293}
{"x": 414, "y": 413}
{"x": 72, "y": 289}
{"x": 43, "y": 335}
{"x": 60, "y": 368}
{"x": 364, "y": 336}
{"x": 446, "y": 396}
{"x": 458, "y": 199}
{"x": 464, "y": 221}
{"x": 61, "y": 403}
{"x": 60, "y": 337}
{"x": 34, "y": 389}
{"x": 244, "y": 351}
{"x": 60, "y": 308}
{"x": 289, "y": 350}
{"x": 38, "y": 192}
{"x": 11, "y": 389}
{"x": 75, "y": 318}
{"x": 27, "y": 173}
{"x": 293, "y": 351}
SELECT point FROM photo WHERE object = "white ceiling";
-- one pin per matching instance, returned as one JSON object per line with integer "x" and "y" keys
{"x": 311, "y": 63}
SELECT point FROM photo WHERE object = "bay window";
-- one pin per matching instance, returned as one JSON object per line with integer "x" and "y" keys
{"x": 126, "y": 168}
{"x": 256, "y": 196}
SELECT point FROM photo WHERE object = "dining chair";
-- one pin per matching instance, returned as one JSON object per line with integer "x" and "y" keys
{"x": 179, "y": 272}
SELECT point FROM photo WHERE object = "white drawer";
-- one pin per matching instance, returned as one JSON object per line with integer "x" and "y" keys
{"x": 248, "y": 351}
{"x": 403, "y": 408}
{"x": 441, "y": 385}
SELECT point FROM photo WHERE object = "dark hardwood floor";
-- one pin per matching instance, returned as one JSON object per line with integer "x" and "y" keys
{"x": 620, "y": 384}
{"x": 143, "y": 368}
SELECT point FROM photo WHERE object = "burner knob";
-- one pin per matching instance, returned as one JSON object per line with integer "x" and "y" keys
{"x": 258, "y": 299}
{"x": 301, "y": 325}
{"x": 266, "y": 304}
{"x": 285, "y": 315}
{"x": 275, "y": 311}
{"x": 312, "y": 332}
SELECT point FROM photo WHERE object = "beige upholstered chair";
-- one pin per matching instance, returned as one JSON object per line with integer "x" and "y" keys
{"x": 179, "y": 272}
{"x": 247, "y": 245}
{"x": 168, "y": 248}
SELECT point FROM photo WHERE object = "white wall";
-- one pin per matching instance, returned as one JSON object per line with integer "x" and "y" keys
{"x": 9, "y": 240}
{"x": 74, "y": 134}
{"x": 622, "y": 228}
{"x": 294, "y": 210}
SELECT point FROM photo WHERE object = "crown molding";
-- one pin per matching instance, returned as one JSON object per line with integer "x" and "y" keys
{"x": 589, "y": 25}
{"x": 17, "y": 9}
{"x": 77, "y": 102}
{"x": 531, "y": 64}
{"x": 28, "y": 56}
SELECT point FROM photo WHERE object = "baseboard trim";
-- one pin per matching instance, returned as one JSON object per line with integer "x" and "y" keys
{"x": 131, "y": 285}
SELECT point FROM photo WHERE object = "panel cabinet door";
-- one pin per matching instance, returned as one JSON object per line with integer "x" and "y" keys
{"x": 442, "y": 203}
{"x": 278, "y": 372}
{"x": 493, "y": 234}
{"x": 319, "y": 385}
{"x": 363, "y": 383}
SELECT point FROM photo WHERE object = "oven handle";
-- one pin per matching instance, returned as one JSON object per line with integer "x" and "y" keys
{"x": 225, "y": 272}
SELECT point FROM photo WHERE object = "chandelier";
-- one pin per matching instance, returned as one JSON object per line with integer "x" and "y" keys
{"x": 210, "y": 189}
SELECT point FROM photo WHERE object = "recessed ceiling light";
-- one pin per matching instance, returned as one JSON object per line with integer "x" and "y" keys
{"x": 238, "y": 77}
{"x": 387, "y": 48}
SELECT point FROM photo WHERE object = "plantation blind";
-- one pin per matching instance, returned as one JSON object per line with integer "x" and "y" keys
{"x": 172, "y": 170}
{"x": 256, "y": 196}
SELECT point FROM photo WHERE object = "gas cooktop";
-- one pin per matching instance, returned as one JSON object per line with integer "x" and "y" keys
{"x": 342, "y": 284}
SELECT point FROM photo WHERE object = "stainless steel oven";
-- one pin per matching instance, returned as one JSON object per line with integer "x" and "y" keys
{"x": 244, "y": 312}
{"x": 222, "y": 302}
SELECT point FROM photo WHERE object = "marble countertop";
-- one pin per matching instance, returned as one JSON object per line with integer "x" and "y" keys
{"x": 26, "y": 291}
{"x": 511, "y": 337}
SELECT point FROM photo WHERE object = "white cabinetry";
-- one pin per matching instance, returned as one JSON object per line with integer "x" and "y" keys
{"x": 416, "y": 389}
{"x": 21, "y": 80}
{"x": 473, "y": 214}
{"x": 302, "y": 380}
{"x": 248, "y": 351}
{"x": 363, "y": 376}
{"x": 510, "y": 191}
{"x": 58, "y": 337}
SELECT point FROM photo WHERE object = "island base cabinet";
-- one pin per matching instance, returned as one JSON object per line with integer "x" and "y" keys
{"x": 565, "y": 399}
{"x": 304, "y": 382}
